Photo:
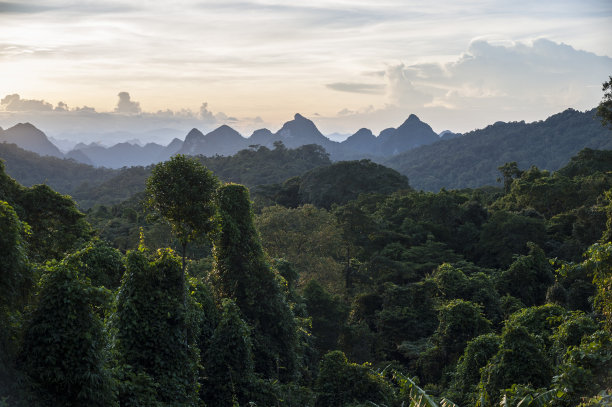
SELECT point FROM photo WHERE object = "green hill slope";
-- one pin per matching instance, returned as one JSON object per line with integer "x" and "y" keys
{"x": 472, "y": 160}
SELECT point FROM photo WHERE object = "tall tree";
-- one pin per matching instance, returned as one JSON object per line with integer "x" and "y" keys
{"x": 243, "y": 273}
{"x": 181, "y": 190}
{"x": 509, "y": 172}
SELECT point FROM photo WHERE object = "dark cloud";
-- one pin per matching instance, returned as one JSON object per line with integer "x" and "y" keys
{"x": 126, "y": 106}
{"x": 366, "y": 88}
{"x": 23, "y": 7}
{"x": 9, "y": 7}
{"x": 14, "y": 103}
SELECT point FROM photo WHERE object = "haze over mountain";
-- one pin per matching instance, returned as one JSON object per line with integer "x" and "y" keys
{"x": 28, "y": 137}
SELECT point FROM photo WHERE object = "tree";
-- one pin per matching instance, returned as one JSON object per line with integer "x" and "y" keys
{"x": 228, "y": 361}
{"x": 604, "y": 110}
{"x": 243, "y": 273}
{"x": 306, "y": 236}
{"x": 15, "y": 284}
{"x": 181, "y": 190}
{"x": 57, "y": 225}
{"x": 99, "y": 262}
{"x": 509, "y": 172}
{"x": 528, "y": 277}
{"x": 63, "y": 350}
{"x": 341, "y": 383}
{"x": 151, "y": 342}
{"x": 520, "y": 360}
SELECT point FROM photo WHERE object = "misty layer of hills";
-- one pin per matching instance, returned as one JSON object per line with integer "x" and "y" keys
{"x": 226, "y": 141}
{"x": 430, "y": 161}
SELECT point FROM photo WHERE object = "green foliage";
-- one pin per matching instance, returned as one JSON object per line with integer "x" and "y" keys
{"x": 99, "y": 262}
{"x": 524, "y": 396}
{"x": 228, "y": 361}
{"x": 242, "y": 272}
{"x": 14, "y": 274}
{"x": 346, "y": 180}
{"x": 181, "y": 190}
{"x": 588, "y": 162}
{"x": 460, "y": 321}
{"x": 528, "y": 277}
{"x": 309, "y": 238}
{"x": 509, "y": 172}
{"x": 263, "y": 166}
{"x": 337, "y": 183}
{"x": 57, "y": 225}
{"x": 478, "y": 288}
{"x": 520, "y": 360}
{"x": 327, "y": 313}
{"x": 63, "y": 349}
{"x": 15, "y": 287}
{"x": 604, "y": 110}
{"x": 573, "y": 327}
{"x": 408, "y": 313}
{"x": 476, "y": 355}
{"x": 151, "y": 342}
{"x": 554, "y": 194}
{"x": 505, "y": 235}
{"x": 586, "y": 369}
{"x": 471, "y": 161}
{"x": 539, "y": 321}
{"x": 411, "y": 392}
{"x": 597, "y": 265}
{"x": 341, "y": 383}
{"x": 65, "y": 176}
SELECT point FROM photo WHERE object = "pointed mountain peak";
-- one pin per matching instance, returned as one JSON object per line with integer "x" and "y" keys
{"x": 298, "y": 116}
{"x": 224, "y": 130}
{"x": 363, "y": 132}
{"x": 261, "y": 133}
{"x": 195, "y": 133}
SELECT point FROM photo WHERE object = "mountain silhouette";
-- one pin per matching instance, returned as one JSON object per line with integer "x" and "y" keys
{"x": 28, "y": 137}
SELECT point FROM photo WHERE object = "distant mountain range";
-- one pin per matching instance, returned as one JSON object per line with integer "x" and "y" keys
{"x": 429, "y": 160}
{"x": 226, "y": 141}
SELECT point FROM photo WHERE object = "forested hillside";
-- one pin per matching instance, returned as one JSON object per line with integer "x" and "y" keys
{"x": 91, "y": 186}
{"x": 393, "y": 296}
{"x": 472, "y": 160}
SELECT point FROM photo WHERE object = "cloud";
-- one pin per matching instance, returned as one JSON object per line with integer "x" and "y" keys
{"x": 61, "y": 107}
{"x": 21, "y": 8}
{"x": 401, "y": 87}
{"x": 126, "y": 106}
{"x": 206, "y": 115}
{"x": 14, "y": 103}
{"x": 366, "y": 88}
{"x": 503, "y": 76}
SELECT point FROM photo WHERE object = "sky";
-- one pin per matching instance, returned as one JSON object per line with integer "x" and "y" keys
{"x": 111, "y": 70}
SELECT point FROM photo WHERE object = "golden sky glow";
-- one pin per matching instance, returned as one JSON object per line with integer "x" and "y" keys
{"x": 344, "y": 64}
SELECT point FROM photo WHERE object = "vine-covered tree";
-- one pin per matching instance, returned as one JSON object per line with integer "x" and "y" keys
{"x": 228, "y": 360}
{"x": 63, "y": 350}
{"x": 156, "y": 358}
{"x": 242, "y": 272}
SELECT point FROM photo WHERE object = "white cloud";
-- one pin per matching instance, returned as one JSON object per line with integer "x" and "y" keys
{"x": 14, "y": 103}
{"x": 126, "y": 106}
